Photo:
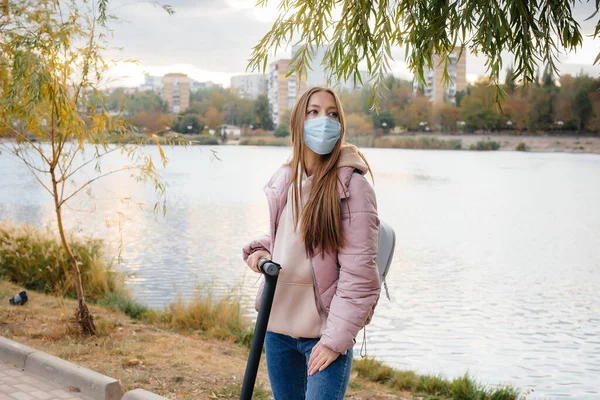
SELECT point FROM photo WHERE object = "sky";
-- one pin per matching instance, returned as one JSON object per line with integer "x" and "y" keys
{"x": 211, "y": 40}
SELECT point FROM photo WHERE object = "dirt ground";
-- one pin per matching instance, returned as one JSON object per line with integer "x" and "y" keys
{"x": 543, "y": 143}
{"x": 140, "y": 355}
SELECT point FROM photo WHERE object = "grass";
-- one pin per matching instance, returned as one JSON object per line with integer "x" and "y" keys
{"x": 206, "y": 314}
{"x": 462, "y": 388}
{"x": 234, "y": 389}
{"x": 35, "y": 259}
{"x": 164, "y": 139}
{"x": 404, "y": 142}
{"x": 265, "y": 141}
{"x": 522, "y": 147}
{"x": 485, "y": 145}
{"x": 125, "y": 304}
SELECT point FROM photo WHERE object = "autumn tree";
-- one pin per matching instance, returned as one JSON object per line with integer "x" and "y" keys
{"x": 416, "y": 114}
{"x": 282, "y": 130}
{"x": 213, "y": 118}
{"x": 383, "y": 120}
{"x": 478, "y": 109}
{"x": 187, "y": 123}
{"x": 540, "y": 109}
{"x": 445, "y": 117}
{"x": 147, "y": 101}
{"x": 262, "y": 111}
{"x": 562, "y": 105}
{"x": 581, "y": 108}
{"x": 52, "y": 117}
{"x": 510, "y": 81}
{"x": 230, "y": 113}
{"x": 516, "y": 111}
{"x": 152, "y": 122}
{"x": 358, "y": 125}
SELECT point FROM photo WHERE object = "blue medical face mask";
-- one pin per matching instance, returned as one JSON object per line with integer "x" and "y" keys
{"x": 321, "y": 134}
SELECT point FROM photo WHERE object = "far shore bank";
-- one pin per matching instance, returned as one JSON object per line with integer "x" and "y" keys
{"x": 549, "y": 143}
{"x": 536, "y": 143}
{"x": 433, "y": 141}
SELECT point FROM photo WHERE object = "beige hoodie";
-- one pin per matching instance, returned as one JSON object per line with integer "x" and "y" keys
{"x": 350, "y": 157}
{"x": 295, "y": 312}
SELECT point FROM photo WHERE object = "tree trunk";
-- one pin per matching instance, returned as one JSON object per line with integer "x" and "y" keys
{"x": 83, "y": 316}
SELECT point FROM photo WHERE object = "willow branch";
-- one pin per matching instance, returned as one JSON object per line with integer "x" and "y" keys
{"x": 33, "y": 169}
{"x": 95, "y": 179}
{"x": 93, "y": 159}
{"x": 25, "y": 138}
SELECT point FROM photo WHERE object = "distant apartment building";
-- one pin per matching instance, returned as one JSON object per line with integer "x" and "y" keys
{"x": 318, "y": 76}
{"x": 176, "y": 92}
{"x": 195, "y": 85}
{"x": 249, "y": 86}
{"x": 152, "y": 83}
{"x": 282, "y": 91}
{"x": 348, "y": 85}
{"x": 435, "y": 90}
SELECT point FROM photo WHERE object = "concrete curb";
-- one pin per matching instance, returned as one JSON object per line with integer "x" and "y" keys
{"x": 45, "y": 366}
{"x": 141, "y": 394}
{"x": 57, "y": 370}
{"x": 13, "y": 352}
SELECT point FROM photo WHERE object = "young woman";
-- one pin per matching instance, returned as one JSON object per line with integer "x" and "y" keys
{"x": 324, "y": 231}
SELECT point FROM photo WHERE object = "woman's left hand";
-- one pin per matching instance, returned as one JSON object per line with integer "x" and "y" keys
{"x": 320, "y": 358}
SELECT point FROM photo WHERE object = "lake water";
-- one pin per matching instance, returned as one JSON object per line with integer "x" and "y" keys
{"x": 496, "y": 270}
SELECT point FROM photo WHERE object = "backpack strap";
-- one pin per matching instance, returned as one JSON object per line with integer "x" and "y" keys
{"x": 363, "y": 347}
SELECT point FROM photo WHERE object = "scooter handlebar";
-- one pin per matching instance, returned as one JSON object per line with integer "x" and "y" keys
{"x": 268, "y": 267}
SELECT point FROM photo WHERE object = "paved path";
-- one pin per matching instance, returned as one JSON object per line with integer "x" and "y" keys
{"x": 18, "y": 385}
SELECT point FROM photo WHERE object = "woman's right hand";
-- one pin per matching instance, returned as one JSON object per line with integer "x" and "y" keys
{"x": 252, "y": 260}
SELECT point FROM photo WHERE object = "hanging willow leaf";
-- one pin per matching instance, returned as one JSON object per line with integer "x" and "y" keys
{"x": 366, "y": 30}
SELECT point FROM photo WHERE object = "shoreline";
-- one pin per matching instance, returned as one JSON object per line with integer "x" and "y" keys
{"x": 456, "y": 142}
{"x": 543, "y": 143}
{"x": 535, "y": 143}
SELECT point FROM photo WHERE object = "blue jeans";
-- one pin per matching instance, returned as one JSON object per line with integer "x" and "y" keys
{"x": 287, "y": 365}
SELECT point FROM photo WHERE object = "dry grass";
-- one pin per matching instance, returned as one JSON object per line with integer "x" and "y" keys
{"x": 406, "y": 142}
{"x": 140, "y": 355}
{"x": 265, "y": 141}
{"x": 35, "y": 258}
{"x": 206, "y": 314}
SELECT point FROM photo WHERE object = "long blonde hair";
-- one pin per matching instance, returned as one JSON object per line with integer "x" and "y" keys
{"x": 321, "y": 225}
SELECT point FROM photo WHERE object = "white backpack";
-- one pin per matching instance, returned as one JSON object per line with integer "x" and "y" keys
{"x": 385, "y": 252}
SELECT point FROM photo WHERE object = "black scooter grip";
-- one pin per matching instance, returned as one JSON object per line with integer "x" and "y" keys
{"x": 268, "y": 267}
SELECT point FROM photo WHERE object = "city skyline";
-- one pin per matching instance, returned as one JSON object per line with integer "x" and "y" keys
{"x": 212, "y": 41}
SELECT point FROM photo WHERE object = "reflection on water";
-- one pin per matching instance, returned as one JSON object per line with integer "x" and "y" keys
{"x": 496, "y": 271}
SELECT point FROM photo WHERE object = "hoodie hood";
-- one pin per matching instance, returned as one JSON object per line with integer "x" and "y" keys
{"x": 351, "y": 157}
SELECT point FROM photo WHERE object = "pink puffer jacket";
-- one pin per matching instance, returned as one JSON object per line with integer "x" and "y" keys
{"x": 346, "y": 281}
